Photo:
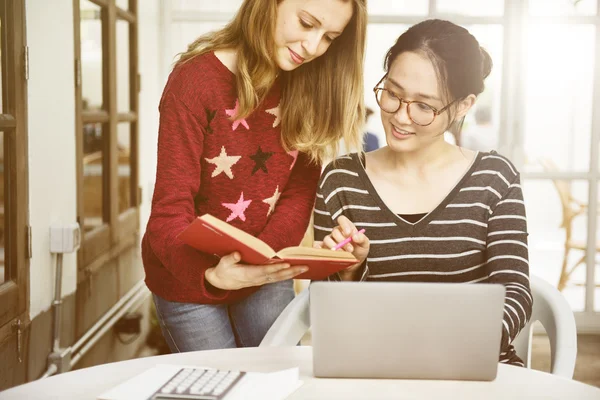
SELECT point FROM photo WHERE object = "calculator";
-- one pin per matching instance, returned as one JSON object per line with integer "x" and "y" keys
{"x": 198, "y": 384}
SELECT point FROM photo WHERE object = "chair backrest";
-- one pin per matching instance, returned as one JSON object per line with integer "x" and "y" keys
{"x": 554, "y": 313}
{"x": 291, "y": 325}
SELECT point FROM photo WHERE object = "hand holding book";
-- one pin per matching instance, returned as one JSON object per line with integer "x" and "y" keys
{"x": 229, "y": 274}
{"x": 214, "y": 236}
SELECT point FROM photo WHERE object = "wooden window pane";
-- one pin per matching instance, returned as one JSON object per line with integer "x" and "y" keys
{"x": 123, "y": 4}
{"x": 91, "y": 56}
{"x": 125, "y": 168}
{"x": 123, "y": 100}
{"x": 2, "y": 67}
{"x": 3, "y": 269}
{"x": 93, "y": 175}
{"x": 4, "y": 273}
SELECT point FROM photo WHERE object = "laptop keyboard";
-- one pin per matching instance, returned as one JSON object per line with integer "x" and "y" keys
{"x": 198, "y": 384}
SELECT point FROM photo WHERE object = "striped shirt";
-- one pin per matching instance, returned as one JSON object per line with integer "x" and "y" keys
{"x": 478, "y": 233}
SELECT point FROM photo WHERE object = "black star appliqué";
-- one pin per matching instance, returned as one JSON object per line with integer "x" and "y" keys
{"x": 210, "y": 115}
{"x": 260, "y": 159}
{"x": 200, "y": 200}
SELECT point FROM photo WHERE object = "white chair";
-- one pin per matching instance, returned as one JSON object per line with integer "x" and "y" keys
{"x": 549, "y": 307}
{"x": 291, "y": 325}
{"x": 554, "y": 313}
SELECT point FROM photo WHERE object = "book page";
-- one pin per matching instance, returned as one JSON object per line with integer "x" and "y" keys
{"x": 312, "y": 253}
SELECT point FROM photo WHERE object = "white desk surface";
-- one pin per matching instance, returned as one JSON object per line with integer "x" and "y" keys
{"x": 511, "y": 382}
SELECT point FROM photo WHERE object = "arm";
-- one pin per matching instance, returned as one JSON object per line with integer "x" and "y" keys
{"x": 180, "y": 143}
{"x": 325, "y": 229}
{"x": 507, "y": 262}
{"x": 288, "y": 223}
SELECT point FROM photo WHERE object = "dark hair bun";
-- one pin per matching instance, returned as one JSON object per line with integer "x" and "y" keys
{"x": 486, "y": 63}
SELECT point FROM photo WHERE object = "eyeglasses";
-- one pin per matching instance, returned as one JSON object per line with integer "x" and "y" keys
{"x": 420, "y": 113}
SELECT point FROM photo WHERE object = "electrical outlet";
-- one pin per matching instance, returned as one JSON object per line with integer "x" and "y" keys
{"x": 64, "y": 238}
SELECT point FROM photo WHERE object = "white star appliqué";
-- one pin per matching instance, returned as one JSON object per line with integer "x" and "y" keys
{"x": 223, "y": 163}
{"x": 275, "y": 112}
{"x": 271, "y": 201}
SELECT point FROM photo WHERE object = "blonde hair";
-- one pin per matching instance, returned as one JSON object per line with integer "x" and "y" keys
{"x": 321, "y": 101}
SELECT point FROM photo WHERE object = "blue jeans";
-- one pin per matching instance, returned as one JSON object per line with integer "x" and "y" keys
{"x": 191, "y": 327}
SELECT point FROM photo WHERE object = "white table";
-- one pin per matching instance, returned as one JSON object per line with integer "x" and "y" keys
{"x": 511, "y": 383}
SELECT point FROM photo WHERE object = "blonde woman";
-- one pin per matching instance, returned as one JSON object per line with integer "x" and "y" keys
{"x": 246, "y": 118}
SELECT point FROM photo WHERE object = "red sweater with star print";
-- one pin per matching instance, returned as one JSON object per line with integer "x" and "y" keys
{"x": 236, "y": 170}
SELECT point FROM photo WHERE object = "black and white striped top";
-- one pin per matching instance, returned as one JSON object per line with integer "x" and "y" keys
{"x": 478, "y": 233}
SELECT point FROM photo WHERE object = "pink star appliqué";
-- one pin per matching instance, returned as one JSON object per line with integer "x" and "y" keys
{"x": 237, "y": 122}
{"x": 237, "y": 209}
{"x": 294, "y": 154}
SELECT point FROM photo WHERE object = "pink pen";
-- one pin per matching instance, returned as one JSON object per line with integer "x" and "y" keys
{"x": 346, "y": 241}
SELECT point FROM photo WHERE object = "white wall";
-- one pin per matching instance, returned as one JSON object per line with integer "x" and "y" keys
{"x": 150, "y": 62}
{"x": 51, "y": 126}
{"x": 51, "y": 119}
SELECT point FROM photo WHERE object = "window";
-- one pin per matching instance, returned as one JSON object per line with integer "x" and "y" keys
{"x": 398, "y": 7}
{"x": 14, "y": 265}
{"x": 106, "y": 98}
{"x": 556, "y": 143}
{"x": 471, "y": 7}
{"x": 562, "y": 8}
{"x": 566, "y": 136}
{"x": 227, "y": 6}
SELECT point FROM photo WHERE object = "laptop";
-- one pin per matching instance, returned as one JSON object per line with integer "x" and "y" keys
{"x": 406, "y": 330}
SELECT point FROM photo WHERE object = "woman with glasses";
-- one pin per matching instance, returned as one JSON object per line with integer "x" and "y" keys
{"x": 433, "y": 212}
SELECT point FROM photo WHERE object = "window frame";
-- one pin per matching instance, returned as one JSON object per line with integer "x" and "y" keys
{"x": 119, "y": 231}
{"x": 14, "y": 292}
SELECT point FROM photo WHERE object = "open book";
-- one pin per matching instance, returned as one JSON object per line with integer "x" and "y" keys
{"x": 214, "y": 236}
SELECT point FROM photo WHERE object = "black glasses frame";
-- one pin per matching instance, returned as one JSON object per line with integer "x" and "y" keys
{"x": 436, "y": 112}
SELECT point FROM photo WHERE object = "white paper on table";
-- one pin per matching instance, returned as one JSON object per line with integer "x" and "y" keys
{"x": 254, "y": 385}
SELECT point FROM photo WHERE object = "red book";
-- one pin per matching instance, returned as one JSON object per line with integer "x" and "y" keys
{"x": 214, "y": 236}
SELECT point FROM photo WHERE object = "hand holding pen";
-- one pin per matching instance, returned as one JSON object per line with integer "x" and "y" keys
{"x": 347, "y": 240}
{"x": 347, "y": 237}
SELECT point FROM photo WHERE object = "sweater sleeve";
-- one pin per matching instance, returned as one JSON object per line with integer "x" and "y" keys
{"x": 507, "y": 262}
{"x": 326, "y": 205}
{"x": 180, "y": 143}
{"x": 287, "y": 225}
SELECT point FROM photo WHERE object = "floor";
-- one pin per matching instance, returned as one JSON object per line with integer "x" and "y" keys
{"x": 587, "y": 366}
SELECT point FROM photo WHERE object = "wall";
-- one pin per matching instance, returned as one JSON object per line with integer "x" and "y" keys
{"x": 53, "y": 193}
{"x": 51, "y": 125}
{"x": 52, "y": 162}
{"x": 150, "y": 29}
